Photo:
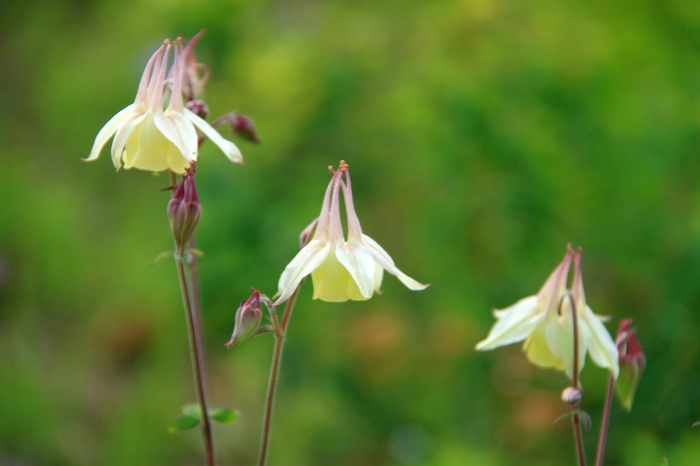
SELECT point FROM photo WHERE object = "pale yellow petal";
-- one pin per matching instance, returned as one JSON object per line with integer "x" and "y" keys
{"x": 514, "y": 324}
{"x": 108, "y": 131}
{"x": 385, "y": 261}
{"x": 307, "y": 260}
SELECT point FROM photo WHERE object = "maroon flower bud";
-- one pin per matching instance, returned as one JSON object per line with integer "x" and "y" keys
{"x": 244, "y": 127}
{"x": 248, "y": 317}
{"x": 184, "y": 211}
{"x": 632, "y": 363}
{"x": 199, "y": 108}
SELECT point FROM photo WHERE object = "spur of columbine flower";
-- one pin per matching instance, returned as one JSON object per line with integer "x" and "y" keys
{"x": 545, "y": 323}
{"x": 150, "y": 138}
{"x": 340, "y": 269}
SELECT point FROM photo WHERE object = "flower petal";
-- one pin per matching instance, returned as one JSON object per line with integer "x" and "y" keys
{"x": 307, "y": 260}
{"x": 537, "y": 350}
{"x": 179, "y": 130}
{"x": 333, "y": 283}
{"x": 108, "y": 131}
{"x": 122, "y": 136}
{"x": 384, "y": 260}
{"x": 603, "y": 349}
{"x": 560, "y": 338}
{"x": 514, "y": 324}
{"x": 359, "y": 262}
{"x": 226, "y": 146}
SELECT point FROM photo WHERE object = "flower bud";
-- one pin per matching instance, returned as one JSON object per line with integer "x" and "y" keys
{"x": 244, "y": 127}
{"x": 248, "y": 317}
{"x": 184, "y": 211}
{"x": 199, "y": 108}
{"x": 632, "y": 363}
{"x": 571, "y": 395}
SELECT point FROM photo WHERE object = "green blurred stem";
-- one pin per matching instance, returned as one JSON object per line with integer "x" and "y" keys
{"x": 280, "y": 333}
{"x": 604, "y": 424}
{"x": 196, "y": 347}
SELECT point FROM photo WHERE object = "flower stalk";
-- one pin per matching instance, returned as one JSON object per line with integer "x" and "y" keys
{"x": 196, "y": 348}
{"x": 280, "y": 335}
{"x": 576, "y": 418}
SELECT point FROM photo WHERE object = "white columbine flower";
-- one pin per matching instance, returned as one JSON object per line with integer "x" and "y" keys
{"x": 340, "y": 269}
{"x": 150, "y": 138}
{"x": 545, "y": 323}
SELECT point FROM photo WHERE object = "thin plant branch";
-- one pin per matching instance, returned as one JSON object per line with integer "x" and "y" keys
{"x": 280, "y": 332}
{"x": 605, "y": 423}
{"x": 196, "y": 350}
{"x": 576, "y": 417}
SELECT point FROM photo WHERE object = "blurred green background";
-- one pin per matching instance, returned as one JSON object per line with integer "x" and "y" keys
{"x": 482, "y": 136}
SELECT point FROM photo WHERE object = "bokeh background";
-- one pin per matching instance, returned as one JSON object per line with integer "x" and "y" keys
{"x": 482, "y": 136}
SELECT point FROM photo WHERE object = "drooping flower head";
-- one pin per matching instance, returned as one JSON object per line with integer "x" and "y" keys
{"x": 149, "y": 137}
{"x": 340, "y": 269}
{"x": 545, "y": 322}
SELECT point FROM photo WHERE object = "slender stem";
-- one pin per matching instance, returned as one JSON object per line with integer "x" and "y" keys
{"x": 196, "y": 352}
{"x": 606, "y": 421}
{"x": 576, "y": 418}
{"x": 274, "y": 376}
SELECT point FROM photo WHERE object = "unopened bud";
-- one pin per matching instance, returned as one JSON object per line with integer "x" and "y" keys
{"x": 248, "y": 317}
{"x": 632, "y": 363}
{"x": 199, "y": 108}
{"x": 244, "y": 127}
{"x": 184, "y": 211}
{"x": 571, "y": 395}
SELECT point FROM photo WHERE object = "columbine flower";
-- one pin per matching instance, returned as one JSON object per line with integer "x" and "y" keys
{"x": 150, "y": 138}
{"x": 545, "y": 323}
{"x": 340, "y": 269}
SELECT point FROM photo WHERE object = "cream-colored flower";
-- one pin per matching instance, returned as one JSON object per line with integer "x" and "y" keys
{"x": 545, "y": 323}
{"x": 340, "y": 269}
{"x": 150, "y": 138}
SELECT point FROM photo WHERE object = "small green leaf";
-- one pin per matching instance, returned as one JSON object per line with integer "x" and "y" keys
{"x": 223, "y": 415}
{"x": 160, "y": 257}
{"x": 191, "y": 417}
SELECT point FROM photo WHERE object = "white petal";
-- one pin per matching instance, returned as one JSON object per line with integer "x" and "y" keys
{"x": 560, "y": 339}
{"x": 537, "y": 350}
{"x": 108, "y": 131}
{"x": 383, "y": 259}
{"x": 122, "y": 136}
{"x": 308, "y": 259}
{"x": 514, "y": 324}
{"x": 603, "y": 350}
{"x": 227, "y": 147}
{"x": 359, "y": 262}
{"x": 179, "y": 130}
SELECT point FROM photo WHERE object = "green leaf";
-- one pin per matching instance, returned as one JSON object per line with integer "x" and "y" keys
{"x": 160, "y": 257}
{"x": 223, "y": 415}
{"x": 191, "y": 417}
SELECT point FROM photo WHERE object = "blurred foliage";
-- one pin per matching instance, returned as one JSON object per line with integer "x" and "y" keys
{"x": 482, "y": 136}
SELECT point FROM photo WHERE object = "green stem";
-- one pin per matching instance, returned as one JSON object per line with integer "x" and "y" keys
{"x": 196, "y": 350}
{"x": 576, "y": 419}
{"x": 274, "y": 376}
{"x": 606, "y": 421}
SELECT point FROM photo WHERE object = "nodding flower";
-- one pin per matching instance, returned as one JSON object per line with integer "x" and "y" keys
{"x": 149, "y": 137}
{"x": 340, "y": 269}
{"x": 545, "y": 322}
